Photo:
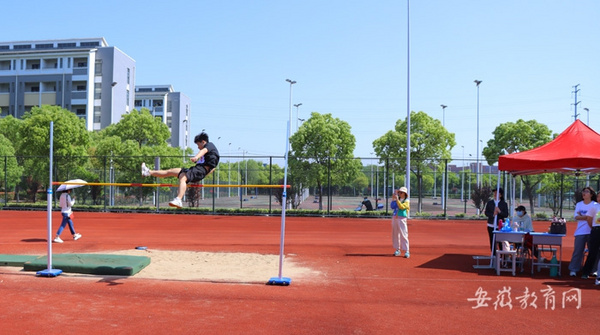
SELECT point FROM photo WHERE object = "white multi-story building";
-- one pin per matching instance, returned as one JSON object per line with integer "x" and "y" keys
{"x": 172, "y": 107}
{"x": 86, "y": 76}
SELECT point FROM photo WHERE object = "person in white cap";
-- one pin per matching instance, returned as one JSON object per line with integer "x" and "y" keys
{"x": 401, "y": 205}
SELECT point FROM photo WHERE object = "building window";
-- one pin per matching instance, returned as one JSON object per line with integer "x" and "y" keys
{"x": 44, "y": 46}
{"x": 67, "y": 45}
{"x": 128, "y": 73}
{"x": 22, "y": 46}
{"x": 89, "y": 44}
{"x": 35, "y": 88}
{"x": 127, "y": 99}
{"x": 80, "y": 62}
{"x": 97, "y": 90}
{"x": 97, "y": 114}
{"x": 98, "y": 70}
{"x": 138, "y": 103}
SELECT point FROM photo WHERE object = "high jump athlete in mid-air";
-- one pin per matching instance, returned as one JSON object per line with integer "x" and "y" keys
{"x": 206, "y": 161}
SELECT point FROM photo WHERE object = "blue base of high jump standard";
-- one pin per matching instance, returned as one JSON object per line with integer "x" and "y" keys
{"x": 283, "y": 281}
{"x": 49, "y": 273}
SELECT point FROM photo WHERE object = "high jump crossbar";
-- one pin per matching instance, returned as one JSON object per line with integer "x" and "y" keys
{"x": 168, "y": 185}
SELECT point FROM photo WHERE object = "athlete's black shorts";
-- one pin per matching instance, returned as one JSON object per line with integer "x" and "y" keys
{"x": 195, "y": 173}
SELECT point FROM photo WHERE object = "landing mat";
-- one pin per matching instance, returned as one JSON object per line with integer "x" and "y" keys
{"x": 95, "y": 264}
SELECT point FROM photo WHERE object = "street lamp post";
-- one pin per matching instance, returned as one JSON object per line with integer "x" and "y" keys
{"x": 297, "y": 114}
{"x": 444, "y": 172}
{"x": 239, "y": 181}
{"x": 443, "y": 115}
{"x": 469, "y": 194}
{"x": 588, "y": 115}
{"x": 372, "y": 185}
{"x": 184, "y": 146}
{"x": 462, "y": 178}
{"x": 480, "y": 166}
{"x": 229, "y": 168}
{"x": 218, "y": 173}
{"x": 477, "y": 82}
{"x": 435, "y": 182}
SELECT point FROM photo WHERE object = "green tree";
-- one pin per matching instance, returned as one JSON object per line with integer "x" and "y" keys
{"x": 10, "y": 131}
{"x": 70, "y": 143}
{"x": 323, "y": 147}
{"x": 552, "y": 185}
{"x": 10, "y": 128}
{"x": 361, "y": 182}
{"x": 141, "y": 127}
{"x": 430, "y": 144}
{"x": 138, "y": 137}
{"x": 518, "y": 136}
{"x": 11, "y": 172}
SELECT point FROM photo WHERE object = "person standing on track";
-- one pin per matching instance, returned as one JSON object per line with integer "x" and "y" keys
{"x": 496, "y": 209}
{"x": 66, "y": 202}
{"x": 401, "y": 205}
{"x": 206, "y": 161}
{"x": 583, "y": 230}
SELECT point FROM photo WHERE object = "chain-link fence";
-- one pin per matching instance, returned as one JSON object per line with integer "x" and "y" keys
{"x": 439, "y": 189}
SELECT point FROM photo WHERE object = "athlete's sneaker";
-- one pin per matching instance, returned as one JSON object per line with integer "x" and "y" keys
{"x": 176, "y": 203}
{"x": 397, "y": 253}
{"x": 407, "y": 255}
{"x": 573, "y": 274}
{"x": 597, "y": 283}
{"x": 145, "y": 170}
{"x": 57, "y": 240}
{"x": 76, "y": 237}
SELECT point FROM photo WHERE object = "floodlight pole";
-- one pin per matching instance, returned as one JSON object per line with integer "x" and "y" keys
{"x": 477, "y": 82}
{"x": 297, "y": 114}
{"x": 444, "y": 173}
{"x": 407, "y": 181}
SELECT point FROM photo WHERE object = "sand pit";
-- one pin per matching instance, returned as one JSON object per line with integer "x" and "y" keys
{"x": 215, "y": 266}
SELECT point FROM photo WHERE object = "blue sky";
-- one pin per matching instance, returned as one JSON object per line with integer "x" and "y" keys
{"x": 349, "y": 58}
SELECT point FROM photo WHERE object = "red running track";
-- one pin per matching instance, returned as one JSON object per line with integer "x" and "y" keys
{"x": 361, "y": 288}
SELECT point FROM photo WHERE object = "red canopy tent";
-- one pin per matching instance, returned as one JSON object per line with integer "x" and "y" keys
{"x": 575, "y": 150}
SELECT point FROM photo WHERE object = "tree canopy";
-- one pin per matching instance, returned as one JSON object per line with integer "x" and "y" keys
{"x": 430, "y": 143}
{"x": 518, "y": 136}
{"x": 141, "y": 127}
{"x": 323, "y": 146}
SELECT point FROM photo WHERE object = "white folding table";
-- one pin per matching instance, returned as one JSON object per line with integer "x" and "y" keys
{"x": 551, "y": 240}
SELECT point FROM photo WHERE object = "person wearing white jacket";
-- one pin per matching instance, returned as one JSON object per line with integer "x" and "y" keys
{"x": 66, "y": 202}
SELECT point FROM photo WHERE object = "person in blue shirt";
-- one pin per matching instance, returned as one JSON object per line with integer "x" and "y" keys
{"x": 401, "y": 206}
